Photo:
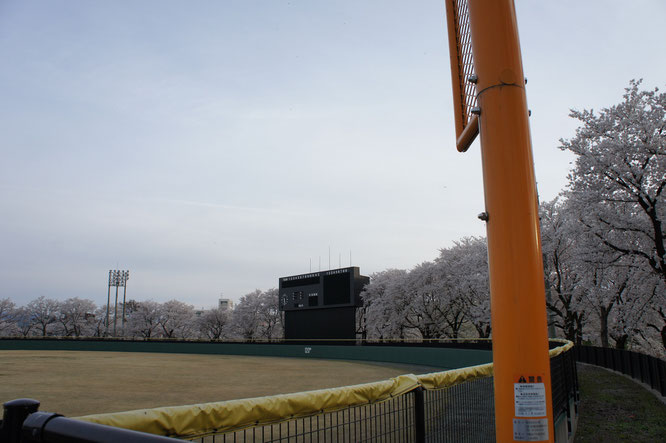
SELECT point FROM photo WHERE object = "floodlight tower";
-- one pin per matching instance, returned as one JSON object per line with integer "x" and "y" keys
{"x": 108, "y": 302}
{"x": 490, "y": 100}
{"x": 116, "y": 278}
{"x": 125, "y": 278}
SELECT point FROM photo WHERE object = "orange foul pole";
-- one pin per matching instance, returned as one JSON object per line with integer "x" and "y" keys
{"x": 523, "y": 404}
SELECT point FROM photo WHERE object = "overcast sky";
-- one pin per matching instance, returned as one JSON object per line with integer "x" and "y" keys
{"x": 213, "y": 146}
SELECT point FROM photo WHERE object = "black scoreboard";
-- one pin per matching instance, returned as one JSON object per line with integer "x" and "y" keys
{"x": 322, "y": 305}
{"x": 337, "y": 287}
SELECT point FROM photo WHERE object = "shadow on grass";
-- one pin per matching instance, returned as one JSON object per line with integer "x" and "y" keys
{"x": 616, "y": 409}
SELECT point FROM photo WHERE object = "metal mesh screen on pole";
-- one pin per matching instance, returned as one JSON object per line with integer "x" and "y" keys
{"x": 462, "y": 73}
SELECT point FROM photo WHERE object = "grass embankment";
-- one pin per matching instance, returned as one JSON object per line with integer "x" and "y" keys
{"x": 616, "y": 409}
{"x": 76, "y": 383}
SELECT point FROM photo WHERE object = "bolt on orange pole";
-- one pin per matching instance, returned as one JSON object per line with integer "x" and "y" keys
{"x": 523, "y": 403}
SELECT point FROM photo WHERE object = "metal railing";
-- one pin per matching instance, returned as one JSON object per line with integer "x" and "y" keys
{"x": 23, "y": 423}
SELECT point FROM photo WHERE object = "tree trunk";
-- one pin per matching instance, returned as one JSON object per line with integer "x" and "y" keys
{"x": 578, "y": 332}
{"x": 621, "y": 341}
{"x": 483, "y": 330}
{"x": 603, "y": 328}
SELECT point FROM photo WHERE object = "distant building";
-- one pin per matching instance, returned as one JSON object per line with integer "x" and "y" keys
{"x": 226, "y": 304}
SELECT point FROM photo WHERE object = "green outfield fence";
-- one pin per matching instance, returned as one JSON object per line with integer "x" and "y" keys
{"x": 443, "y": 354}
{"x": 455, "y": 405}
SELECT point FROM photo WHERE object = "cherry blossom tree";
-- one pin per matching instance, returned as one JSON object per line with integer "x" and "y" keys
{"x": 656, "y": 323}
{"x": 176, "y": 319}
{"x": 428, "y": 303}
{"x": 563, "y": 270}
{"x": 144, "y": 322}
{"x": 438, "y": 299}
{"x": 618, "y": 180}
{"x": 214, "y": 323}
{"x": 257, "y": 316}
{"x": 273, "y": 320}
{"x": 98, "y": 322}
{"x": 75, "y": 317}
{"x": 7, "y": 317}
{"x": 23, "y": 321}
{"x": 385, "y": 301}
{"x": 642, "y": 320}
{"x": 620, "y": 298}
{"x": 466, "y": 275}
{"x": 43, "y": 314}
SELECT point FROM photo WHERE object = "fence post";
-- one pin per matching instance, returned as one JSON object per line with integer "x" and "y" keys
{"x": 662, "y": 376}
{"x": 570, "y": 371}
{"x": 610, "y": 359}
{"x": 645, "y": 370}
{"x": 623, "y": 360}
{"x": 598, "y": 356}
{"x": 419, "y": 415}
{"x": 657, "y": 375}
{"x": 654, "y": 373}
{"x": 15, "y": 412}
{"x": 635, "y": 365}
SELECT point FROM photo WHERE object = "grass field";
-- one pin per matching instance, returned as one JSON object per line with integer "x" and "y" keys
{"x": 616, "y": 409}
{"x": 75, "y": 383}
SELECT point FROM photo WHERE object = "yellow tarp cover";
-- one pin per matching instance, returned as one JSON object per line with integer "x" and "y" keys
{"x": 566, "y": 345}
{"x": 439, "y": 380}
{"x": 194, "y": 421}
{"x": 209, "y": 418}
